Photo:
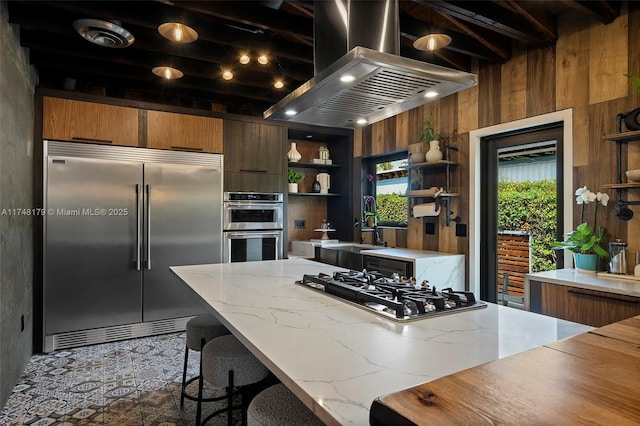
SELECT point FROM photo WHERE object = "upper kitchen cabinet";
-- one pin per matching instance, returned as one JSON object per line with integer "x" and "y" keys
{"x": 183, "y": 132}
{"x": 79, "y": 121}
{"x": 254, "y": 156}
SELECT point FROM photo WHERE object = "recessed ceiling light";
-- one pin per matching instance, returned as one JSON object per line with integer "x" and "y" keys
{"x": 262, "y": 59}
{"x": 290, "y": 112}
{"x": 278, "y": 84}
{"x": 227, "y": 74}
{"x": 180, "y": 33}
{"x": 347, "y": 78}
{"x": 361, "y": 121}
{"x": 244, "y": 59}
{"x": 168, "y": 73}
{"x": 431, "y": 94}
{"x": 309, "y": 136}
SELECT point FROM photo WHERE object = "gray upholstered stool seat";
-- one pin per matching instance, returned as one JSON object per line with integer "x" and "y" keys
{"x": 201, "y": 329}
{"x": 206, "y": 327}
{"x": 278, "y": 406}
{"x": 227, "y": 363}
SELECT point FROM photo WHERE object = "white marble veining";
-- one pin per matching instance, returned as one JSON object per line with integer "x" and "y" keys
{"x": 573, "y": 278}
{"x": 338, "y": 358}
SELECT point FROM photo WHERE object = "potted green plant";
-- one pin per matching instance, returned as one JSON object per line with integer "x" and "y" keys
{"x": 293, "y": 178}
{"x": 430, "y": 136}
{"x": 585, "y": 242}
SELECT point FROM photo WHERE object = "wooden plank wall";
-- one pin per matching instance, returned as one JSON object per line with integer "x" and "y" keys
{"x": 583, "y": 70}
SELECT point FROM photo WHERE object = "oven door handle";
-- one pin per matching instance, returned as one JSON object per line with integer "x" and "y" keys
{"x": 255, "y": 206}
{"x": 257, "y": 234}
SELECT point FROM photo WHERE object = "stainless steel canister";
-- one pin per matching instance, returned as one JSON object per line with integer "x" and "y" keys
{"x": 618, "y": 257}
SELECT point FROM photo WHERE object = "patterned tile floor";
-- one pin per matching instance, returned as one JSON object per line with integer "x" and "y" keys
{"x": 132, "y": 382}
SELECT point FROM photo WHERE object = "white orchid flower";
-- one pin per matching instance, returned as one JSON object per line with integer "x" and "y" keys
{"x": 603, "y": 198}
{"x": 587, "y": 196}
{"x": 579, "y": 191}
{"x": 579, "y": 200}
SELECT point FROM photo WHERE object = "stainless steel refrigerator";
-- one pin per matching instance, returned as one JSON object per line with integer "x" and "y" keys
{"x": 116, "y": 219}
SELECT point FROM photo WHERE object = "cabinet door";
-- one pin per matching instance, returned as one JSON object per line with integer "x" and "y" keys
{"x": 69, "y": 120}
{"x": 184, "y": 132}
{"x": 591, "y": 307}
{"x": 598, "y": 308}
{"x": 554, "y": 300}
{"x": 254, "y": 148}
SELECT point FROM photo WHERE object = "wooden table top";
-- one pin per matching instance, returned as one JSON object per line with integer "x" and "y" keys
{"x": 590, "y": 378}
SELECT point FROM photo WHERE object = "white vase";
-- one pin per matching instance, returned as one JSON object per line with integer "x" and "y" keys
{"x": 293, "y": 155}
{"x": 434, "y": 153}
{"x": 293, "y": 187}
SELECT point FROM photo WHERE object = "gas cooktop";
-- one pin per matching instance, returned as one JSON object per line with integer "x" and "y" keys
{"x": 393, "y": 298}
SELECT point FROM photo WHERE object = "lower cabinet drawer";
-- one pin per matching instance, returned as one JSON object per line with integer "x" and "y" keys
{"x": 387, "y": 267}
{"x": 591, "y": 307}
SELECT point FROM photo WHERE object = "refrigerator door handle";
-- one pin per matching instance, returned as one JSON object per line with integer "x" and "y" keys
{"x": 148, "y": 226}
{"x": 138, "y": 228}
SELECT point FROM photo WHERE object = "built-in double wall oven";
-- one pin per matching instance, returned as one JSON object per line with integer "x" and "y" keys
{"x": 253, "y": 224}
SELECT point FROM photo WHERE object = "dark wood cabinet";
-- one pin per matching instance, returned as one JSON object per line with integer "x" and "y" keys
{"x": 181, "y": 132}
{"x": 254, "y": 157}
{"x": 80, "y": 121}
{"x": 591, "y": 307}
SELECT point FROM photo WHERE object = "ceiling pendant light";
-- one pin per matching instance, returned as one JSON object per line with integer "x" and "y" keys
{"x": 244, "y": 59}
{"x": 432, "y": 42}
{"x": 227, "y": 75}
{"x": 167, "y": 73}
{"x": 180, "y": 33}
{"x": 263, "y": 60}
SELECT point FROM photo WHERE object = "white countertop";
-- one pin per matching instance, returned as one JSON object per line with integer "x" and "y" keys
{"x": 337, "y": 358}
{"x": 406, "y": 254}
{"x": 571, "y": 277}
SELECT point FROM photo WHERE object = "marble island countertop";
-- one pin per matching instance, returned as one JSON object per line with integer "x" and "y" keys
{"x": 338, "y": 358}
{"x": 411, "y": 255}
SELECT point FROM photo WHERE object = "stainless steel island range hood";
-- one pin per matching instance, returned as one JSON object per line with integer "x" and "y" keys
{"x": 367, "y": 84}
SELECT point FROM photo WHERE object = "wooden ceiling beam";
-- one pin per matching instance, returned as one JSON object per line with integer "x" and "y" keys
{"x": 255, "y": 16}
{"x": 130, "y": 16}
{"x": 166, "y": 94}
{"x": 148, "y": 40}
{"x": 483, "y": 36}
{"x": 302, "y": 8}
{"x": 100, "y": 71}
{"x": 248, "y": 75}
{"x": 541, "y": 20}
{"x": 605, "y": 11}
{"x": 491, "y": 16}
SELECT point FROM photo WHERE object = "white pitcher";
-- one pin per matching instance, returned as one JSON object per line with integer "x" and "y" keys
{"x": 325, "y": 182}
{"x": 434, "y": 153}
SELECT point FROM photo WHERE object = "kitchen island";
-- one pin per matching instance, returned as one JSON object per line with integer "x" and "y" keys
{"x": 336, "y": 357}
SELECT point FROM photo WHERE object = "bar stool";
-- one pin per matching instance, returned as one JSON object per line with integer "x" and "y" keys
{"x": 227, "y": 363}
{"x": 278, "y": 406}
{"x": 201, "y": 329}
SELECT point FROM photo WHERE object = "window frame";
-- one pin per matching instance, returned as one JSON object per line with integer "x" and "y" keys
{"x": 369, "y": 166}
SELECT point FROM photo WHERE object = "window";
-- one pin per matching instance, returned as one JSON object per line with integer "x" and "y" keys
{"x": 386, "y": 181}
